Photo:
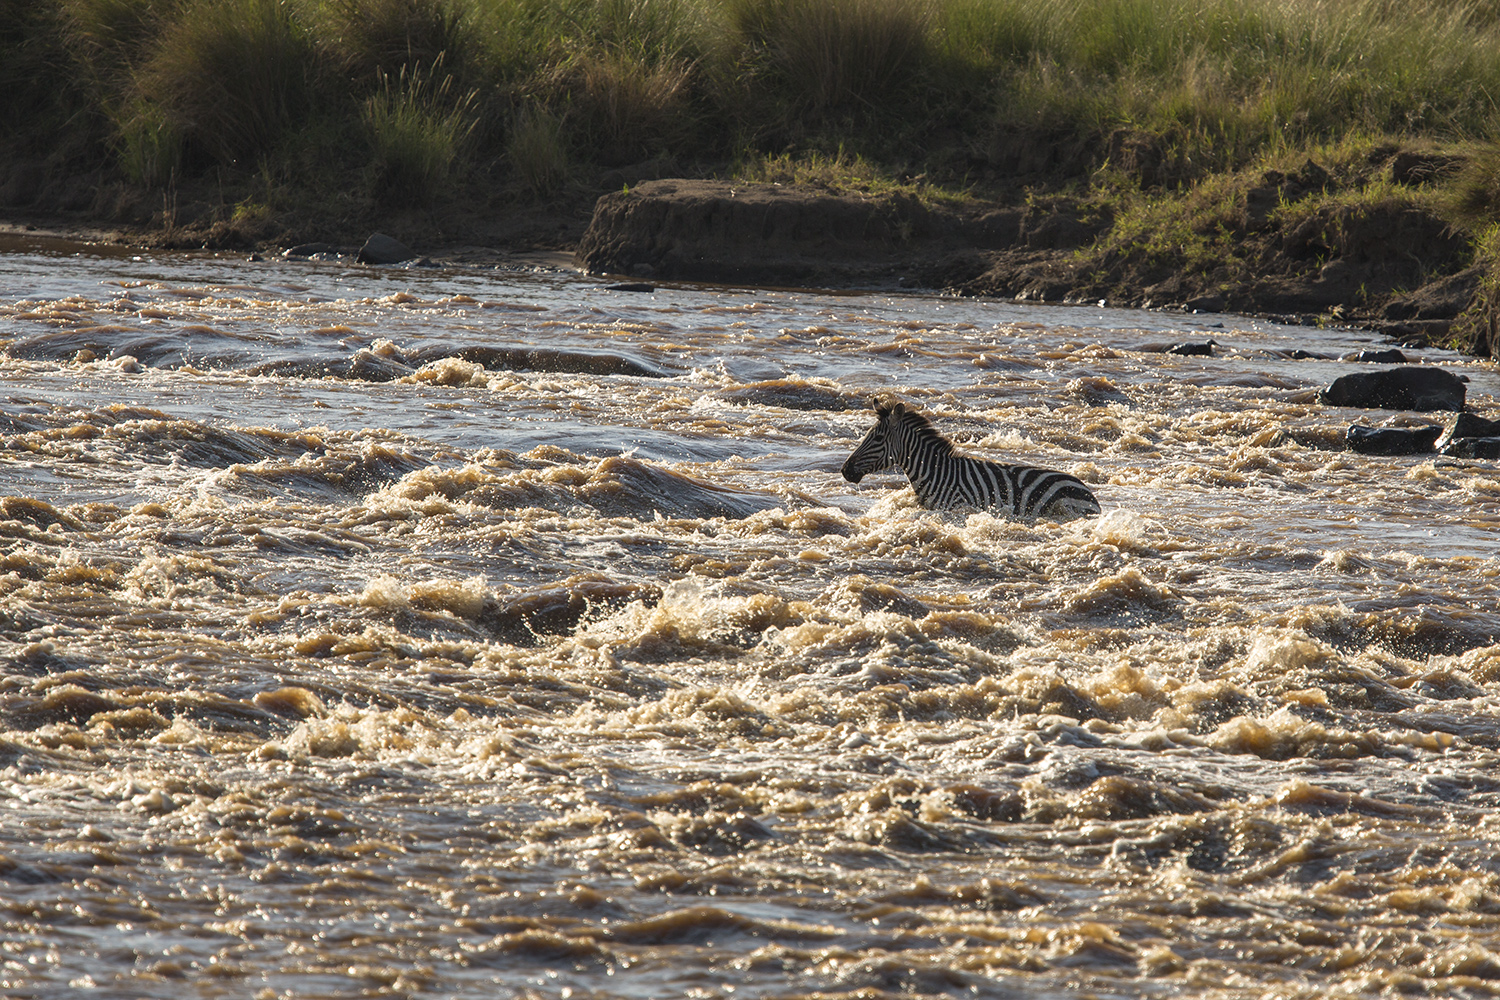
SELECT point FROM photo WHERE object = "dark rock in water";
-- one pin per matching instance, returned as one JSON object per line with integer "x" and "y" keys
{"x": 1468, "y": 425}
{"x": 362, "y": 366}
{"x": 543, "y": 359}
{"x": 1408, "y": 388}
{"x": 1390, "y": 356}
{"x": 309, "y": 250}
{"x": 1391, "y": 440}
{"x": 630, "y": 286}
{"x": 1485, "y": 447}
{"x": 1300, "y": 355}
{"x": 382, "y": 249}
{"x": 793, "y": 394}
{"x": 1206, "y": 349}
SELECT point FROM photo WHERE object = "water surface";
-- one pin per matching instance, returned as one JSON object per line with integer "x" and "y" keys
{"x": 474, "y": 632}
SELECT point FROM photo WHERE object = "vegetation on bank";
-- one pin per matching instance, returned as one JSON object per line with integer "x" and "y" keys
{"x": 342, "y": 108}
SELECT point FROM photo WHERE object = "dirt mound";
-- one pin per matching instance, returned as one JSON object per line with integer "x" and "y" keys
{"x": 1386, "y": 265}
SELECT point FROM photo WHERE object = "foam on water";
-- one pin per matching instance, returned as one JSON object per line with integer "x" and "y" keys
{"x": 471, "y": 633}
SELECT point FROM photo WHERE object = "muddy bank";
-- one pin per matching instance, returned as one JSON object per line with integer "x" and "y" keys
{"x": 1384, "y": 265}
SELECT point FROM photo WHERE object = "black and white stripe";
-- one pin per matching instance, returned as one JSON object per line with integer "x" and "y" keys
{"x": 944, "y": 479}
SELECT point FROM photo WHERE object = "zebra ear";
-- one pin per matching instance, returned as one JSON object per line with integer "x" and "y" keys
{"x": 883, "y": 406}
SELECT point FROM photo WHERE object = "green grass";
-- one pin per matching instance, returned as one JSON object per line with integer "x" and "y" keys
{"x": 418, "y": 128}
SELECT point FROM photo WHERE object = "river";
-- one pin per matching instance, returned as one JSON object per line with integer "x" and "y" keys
{"x": 477, "y": 631}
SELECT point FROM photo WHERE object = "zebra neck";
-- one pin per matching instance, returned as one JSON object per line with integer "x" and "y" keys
{"x": 924, "y": 455}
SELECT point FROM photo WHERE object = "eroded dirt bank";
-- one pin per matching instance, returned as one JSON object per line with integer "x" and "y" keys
{"x": 1386, "y": 265}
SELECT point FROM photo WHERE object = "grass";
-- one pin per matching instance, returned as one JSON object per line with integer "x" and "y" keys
{"x": 946, "y": 86}
{"x": 418, "y": 129}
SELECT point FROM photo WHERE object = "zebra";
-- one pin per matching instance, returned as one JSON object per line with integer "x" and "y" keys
{"x": 944, "y": 479}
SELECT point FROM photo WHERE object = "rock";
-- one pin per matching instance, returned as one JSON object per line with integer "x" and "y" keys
{"x": 1391, "y": 356}
{"x": 1206, "y": 349}
{"x": 309, "y": 249}
{"x": 382, "y": 249}
{"x": 699, "y": 230}
{"x": 631, "y": 286}
{"x": 1485, "y": 447}
{"x": 1391, "y": 440}
{"x": 1468, "y": 425}
{"x": 523, "y": 618}
{"x": 1410, "y": 388}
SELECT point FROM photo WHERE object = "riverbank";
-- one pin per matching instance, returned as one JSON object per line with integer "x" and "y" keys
{"x": 1190, "y": 155}
{"x": 1356, "y": 240}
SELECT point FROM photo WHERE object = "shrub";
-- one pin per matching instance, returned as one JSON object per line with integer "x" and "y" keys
{"x": 536, "y": 150}
{"x": 825, "y": 54}
{"x": 370, "y": 37}
{"x": 622, "y": 108}
{"x": 418, "y": 129}
{"x": 230, "y": 76}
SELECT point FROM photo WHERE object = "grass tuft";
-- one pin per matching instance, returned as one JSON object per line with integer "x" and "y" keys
{"x": 537, "y": 152}
{"x": 231, "y": 76}
{"x": 418, "y": 129}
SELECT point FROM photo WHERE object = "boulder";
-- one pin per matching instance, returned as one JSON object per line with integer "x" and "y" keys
{"x": 1468, "y": 425}
{"x": 1409, "y": 388}
{"x": 1389, "y": 356}
{"x": 1391, "y": 440}
{"x": 309, "y": 249}
{"x": 1203, "y": 349}
{"x": 383, "y": 249}
{"x": 1485, "y": 447}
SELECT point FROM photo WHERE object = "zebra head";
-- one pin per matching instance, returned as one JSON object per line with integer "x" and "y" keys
{"x": 881, "y": 448}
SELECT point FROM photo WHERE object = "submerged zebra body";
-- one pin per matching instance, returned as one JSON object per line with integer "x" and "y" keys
{"x": 943, "y": 479}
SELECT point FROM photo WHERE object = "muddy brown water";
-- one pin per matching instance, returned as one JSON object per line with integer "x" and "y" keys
{"x": 464, "y": 632}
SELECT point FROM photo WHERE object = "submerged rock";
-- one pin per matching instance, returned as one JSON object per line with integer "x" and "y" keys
{"x": 523, "y": 618}
{"x": 1410, "y": 388}
{"x": 1485, "y": 447}
{"x": 1467, "y": 425}
{"x": 1205, "y": 349}
{"x": 383, "y": 249}
{"x": 309, "y": 250}
{"x": 1390, "y": 356}
{"x": 1391, "y": 440}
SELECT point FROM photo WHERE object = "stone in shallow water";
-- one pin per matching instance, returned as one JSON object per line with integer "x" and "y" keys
{"x": 1485, "y": 447}
{"x": 1467, "y": 425}
{"x": 383, "y": 249}
{"x": 1409, "y": 388}
{"x": 1391, "y": 440}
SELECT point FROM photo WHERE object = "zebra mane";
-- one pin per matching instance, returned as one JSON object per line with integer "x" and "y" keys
{"x": 918, "y": 424}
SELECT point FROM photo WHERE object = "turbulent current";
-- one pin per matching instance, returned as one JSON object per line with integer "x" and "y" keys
{"x": 488, "y": 632}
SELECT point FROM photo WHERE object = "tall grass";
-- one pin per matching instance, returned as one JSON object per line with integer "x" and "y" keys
{"x": 418, "y": 129}
{"x": 907, "y": 85}
{"x": 231, "y": 76}
{"x": 817, "y": 55}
